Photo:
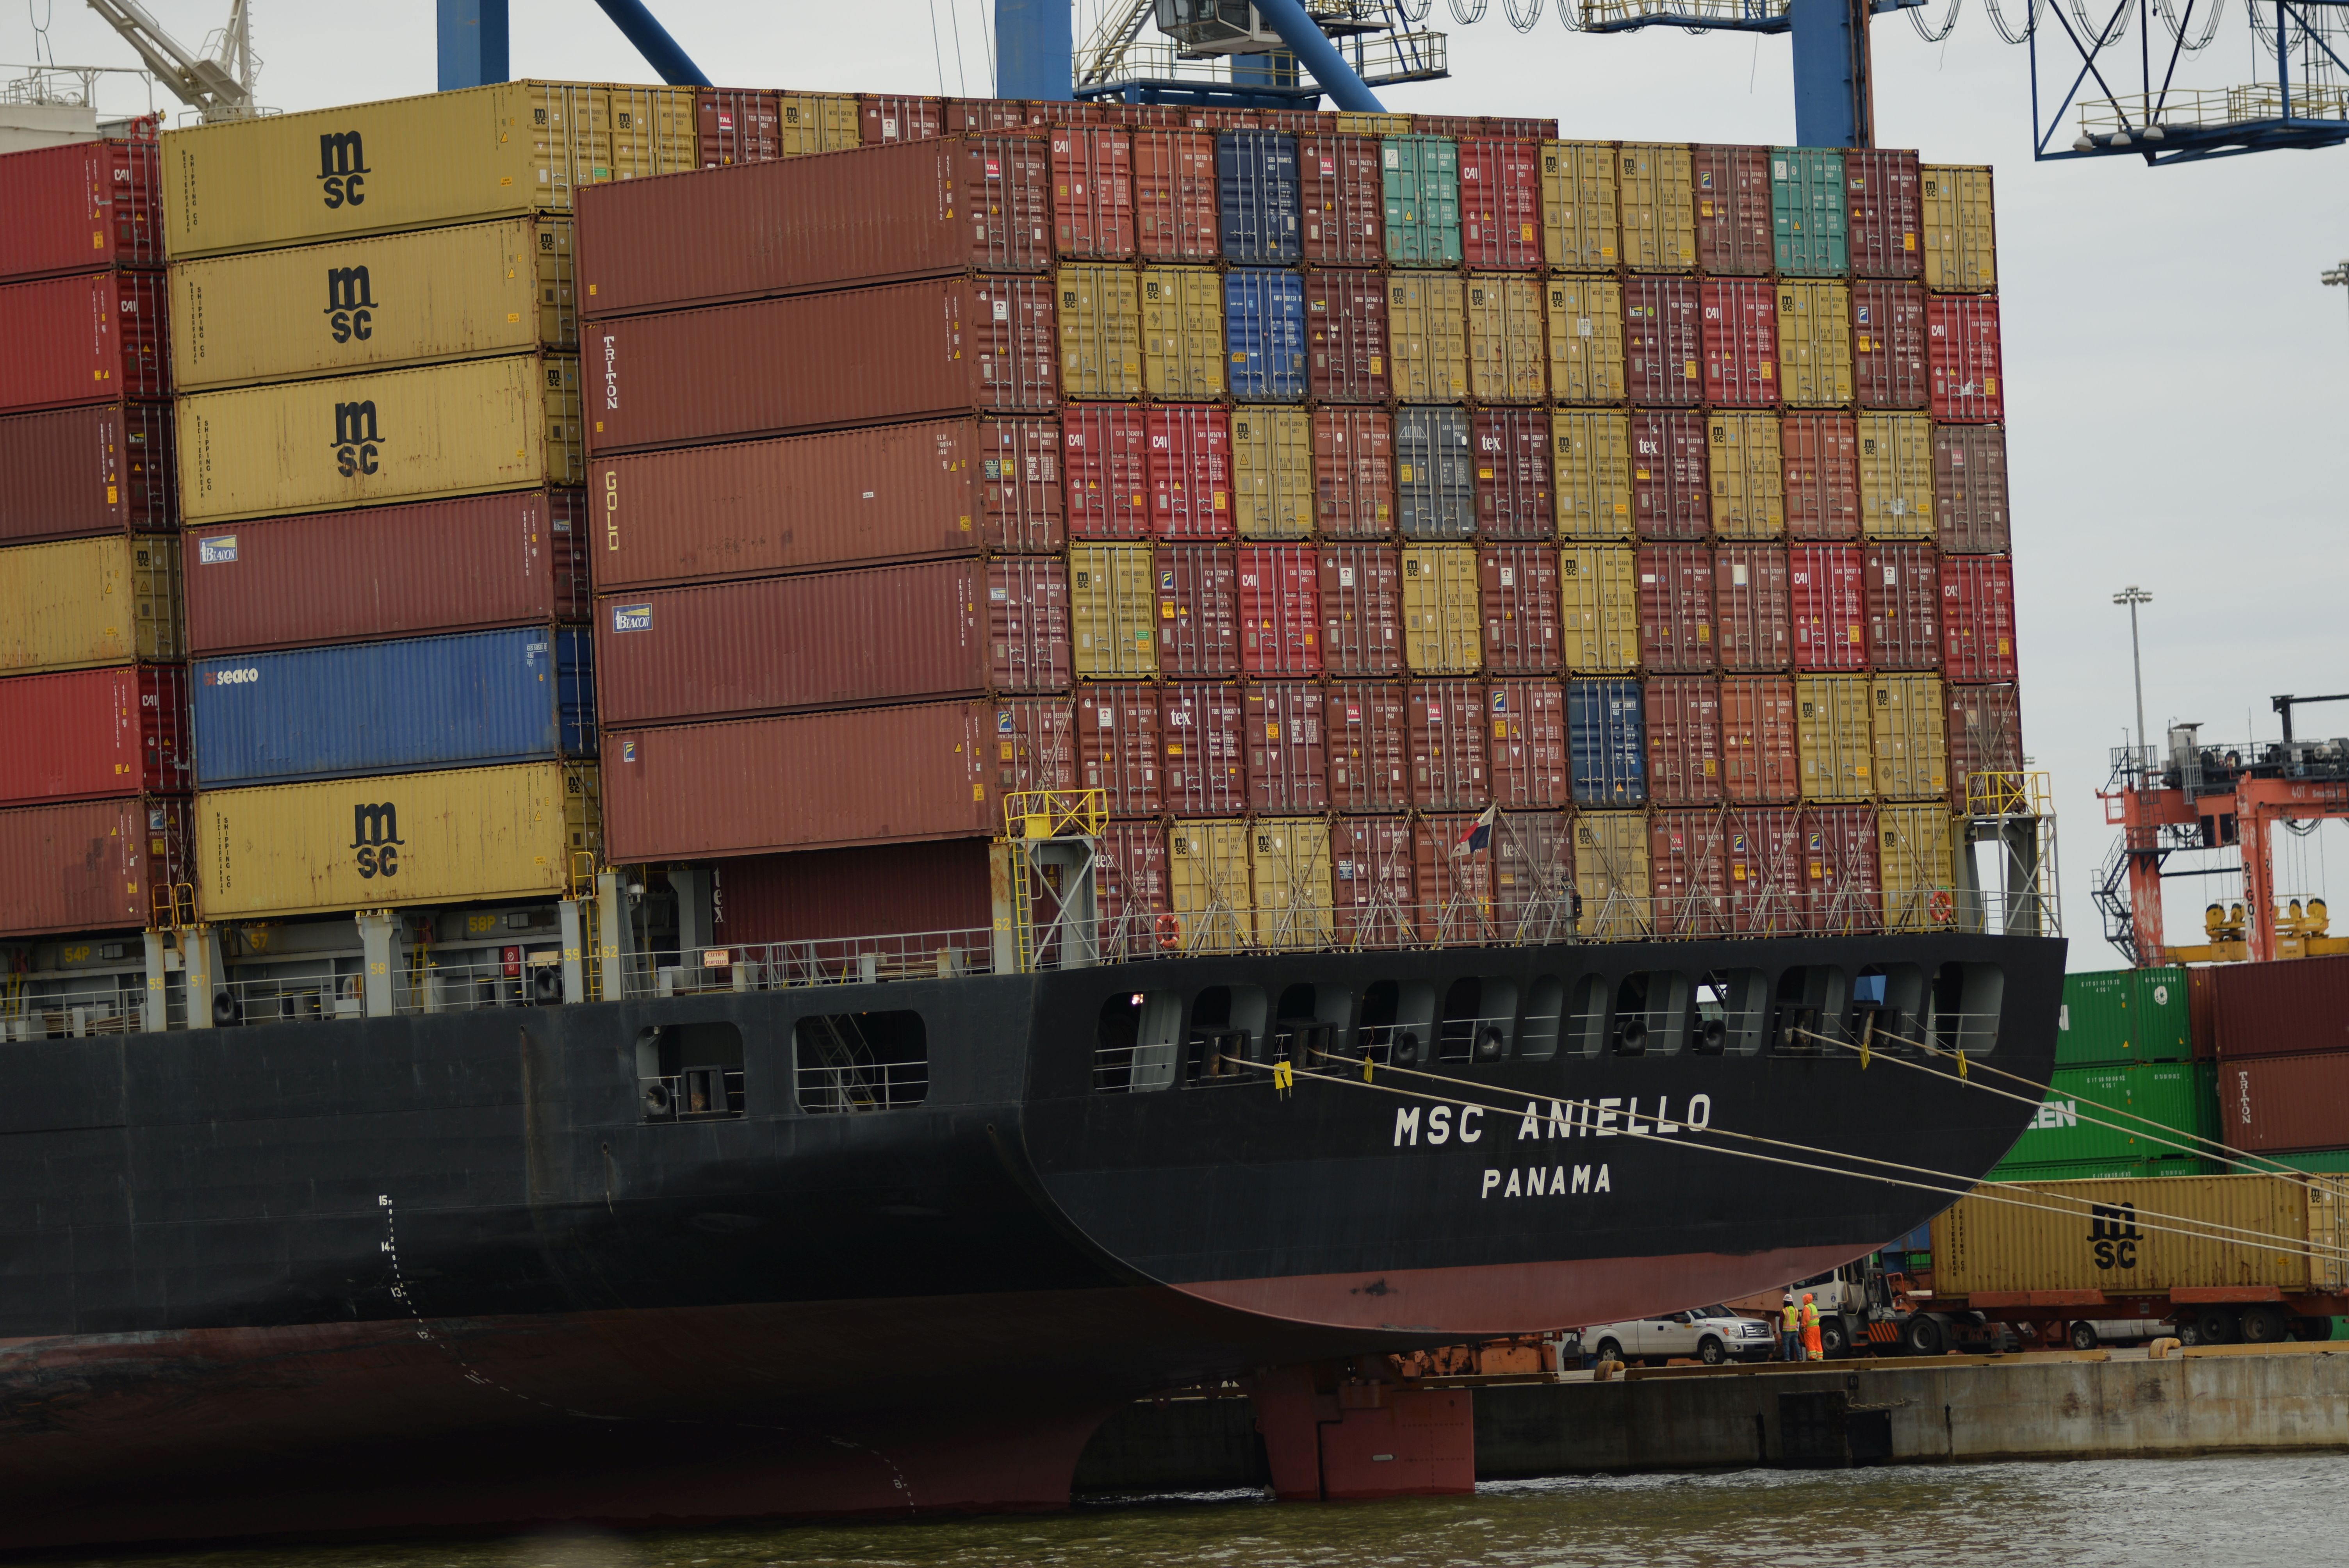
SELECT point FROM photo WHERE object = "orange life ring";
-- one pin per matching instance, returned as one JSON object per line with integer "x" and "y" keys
{"x": 1938, "y": 906}
{"x": 1170, "y": 932}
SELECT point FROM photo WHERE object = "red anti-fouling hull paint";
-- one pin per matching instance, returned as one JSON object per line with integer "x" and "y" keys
{"x": 88, "y": 734}
{"x": 92, "y": 865}
{"x": 72, "y": 473}
{"x": 98, "y": 339}
{"x": 79, "y": 207}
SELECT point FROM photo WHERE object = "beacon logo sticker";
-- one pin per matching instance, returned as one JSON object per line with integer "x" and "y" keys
{"x": 220, "y": 549}
{"x": 632, "y": 617}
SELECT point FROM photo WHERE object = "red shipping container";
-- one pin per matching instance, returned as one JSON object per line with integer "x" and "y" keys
{"x": 1500, "y": 203}
{"x": 1118, "y": 744}
{"x": 1445, "y": 725}
{"x": 897, "y": 492}
{"x": 1841, "y": 890}
{"x": 98, "y": 339}
{"x": 1903, "y": 592}
{"x": 738, "y": 125}
{"x": 379, "y": 571}
{"x": 1763, "y": 850}
{"x": 1740, "y": 342}
{"x": 1525, "y": 745}
{"x": 1760, "y": 762}
{"x": 1985, "y": 736}
{"x": 1130, "y": 884}
{"x": 968, "y": 114}
{"x": 1190, "y": 465}
{"x": 1688, "y": 872}
{"x": 1454, "y": 126}
{"x": 80, "y": 206}
{"x": 1353, "y": 473}
{"x": 924, "y": 209}
{"x": 1969, "y": 488}
{"x": 1978, "y": 618}
{"x": 1452, "y": 896}
{"x": 1280, "y": 609}
{"x": 1367, "y": 745}
{"x": 1888, "y": 345}
{"x": 93, "y": 865}
{"x": 1676, "y": 607}
{"x": 1518, "y": 585}
{"x": 1683, "y": 717}
{"x": 1064, "y": 111}
{"x": 1288, "y": 768}
{"x": 1198, "y": 610}
{"x": 1671, "y": 490}
{"x": 908, "y": 351}
{"x": 1822, "y": 587}
{"x": 1886, "y": 216}
{"x": 1663, "y": 342}
{"x": 1821, "y": 454}
{"x": 938, "y": 896}
{"x": 72, "y": 473}
{"x": 1361, "y": 593}
{"x": 1962, "y": 358}
{"x": 1732, "y": 210}
{"x": 1201, "y": 732}
{"x": 2287, "y": 1009}
{"x": 1346, "y": 336}
{"x": 91, "y": 732}
{"x": 1092, "y": 191}
{"x": 1371, "y": 884}
{"x": 1343, "y": 198}
{"x": 1751, "y": 614}
{"x": 1513, "y": 474}
{"x": 1035, "y": 744}
{"x": 1105, "y": 451}
{"x": 887, "y": 119}
{"x": 2278, "y": 1104}
{"x": 1520, "y": 128}
{"x": 1534, "y": 895}
{"x": 1174, "y": 211}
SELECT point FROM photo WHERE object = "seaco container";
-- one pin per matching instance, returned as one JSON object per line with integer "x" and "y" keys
{"x": 87, "y": 601}
{"x": 2189, "y": 1235}
{"x": 2280, "y": 1009}
{"x": 96, "y": 338}
{"x": 103, "y": 469}
{"x": 912, "y": 209}
{"x": 92, "y": 865}
{"x": 465, "y": 835}
{"x": 905, "y": 351}
{"x": 393, "y": 435}
{"x": 79, "y": 207}
{"x": 374, "y": 303}
{"x": 89, "y": 734}
{"x": 504, "y": 560}
{"x": 525, "y": 693}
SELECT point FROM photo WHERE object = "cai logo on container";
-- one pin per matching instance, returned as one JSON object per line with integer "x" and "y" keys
{"x": 632, "y": 617}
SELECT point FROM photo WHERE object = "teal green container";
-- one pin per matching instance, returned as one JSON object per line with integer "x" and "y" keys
{"x": 2124, "y": 1016}
{"x": 1807, "y": 210}
{"x": 1421, "y": 177}
{"x": 2322, "y": 1163}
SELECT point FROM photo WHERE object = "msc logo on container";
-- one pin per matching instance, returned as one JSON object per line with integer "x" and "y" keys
{"x": 2113, "y": 1234}
{"x": 245, "y": 676}
{"x": 374, "y": 835}
{"x": 351, "y": 304}
{"x": 342, "y": 168}
{"x": 356, "y": 442}
{"x": 632, "y": 617}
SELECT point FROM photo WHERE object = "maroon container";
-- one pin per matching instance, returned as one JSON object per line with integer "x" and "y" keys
{"x": 1519, "y": 590}
{"x": 1343, "y": 200}
{"x": 1732, "y": 210}
{"x": 1513, "y": 475}
{"x": 2280, "y": 1009}
{"x": 1361, "y": 592}
{"x": 1105, "y": 453}
{"x": 1688, "y": 872}
{"x": 1683, "y": 717}
{"x": 922, "y": 209}
{"x": 1962, "y": 358}
{"x": 1985, "y": 735}
{"x": 1533, "y": 896}
{"x": 1130, "y": 882}
{"x": 908, "y": 351}
{"x": 1092, "y": 191}
{"x": 1346, "y": 336}
{"x": 1367, "y": 745}
{"x": 2202, "y": 1011}
{"x": 1841, "y": 888}
{"x": 1821, "y": 456}
{"x": 800, "y": 781}
{"x": 1970, "y": 487}
{"x": 1752, "y": 607}
{"x": 1035, "y": 744}
{"x": 93, "y": 865}
{"x": 886, "y": 118}
{"x": 2277, "y": 1104}
{"x": 1760, "y": 762}
{"x": 816, "y": 896}
{"x": 1886, "y": 216}
{"x": 1978, "y": 618}
{"x": 1189, "y": 455}
{"x": 383, "y": 571}
{"x": 72, "y": 473}
{"x": 1353, "y": 473}
{"x": 1500, "y": 204}
{"x": 1663, "y": 346}
{"x": 1174, "y": 211}
{"x": 967, "y": 114}
{"x": 1198, "y": 610}
{"x": 1445, "y": 724}
{"x": 1280, "y": 610}
{"x": 96, "y": 338}
{"x": 1902, "y": 590}
{"x": 1740, "y": 342}
{"x": 738, "y": 125}
{"x": 1288, "y": 767}
{"x": 1451, "y": 889}
{"x": 1676, "y": 608}
{"x": 79, "y": 207}
{"x": 1519, "y": 127}
{"x": 1200, "y": 735}
{"x": 1371, "y": 880}
{"x": 87, "y": 734}
{"x": 1672, "y": 493}
{"x": 1118, "y": 746}
{"x": 1888, "y": 345}
{"x": 1525, "y": 745}
{"x": 1828, "y": 610}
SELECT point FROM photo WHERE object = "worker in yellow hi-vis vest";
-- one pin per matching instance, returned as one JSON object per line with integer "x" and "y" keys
{"x": 1811, "y": 1350}
{"x": 1790, "y": 1330}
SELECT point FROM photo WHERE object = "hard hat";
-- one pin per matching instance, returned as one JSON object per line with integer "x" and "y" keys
{"x": 1807, "y": 1295}
{"x": 1790, "y": 1298}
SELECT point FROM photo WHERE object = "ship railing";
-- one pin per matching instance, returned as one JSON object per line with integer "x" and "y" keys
{"x": 72, "y": 1010}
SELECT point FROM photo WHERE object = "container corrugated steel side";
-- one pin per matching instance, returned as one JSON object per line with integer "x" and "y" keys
{"x": 97, "y": 339}
{"x": 1508, "y": 356}
{"x": 87, "y": 601}
{"x": 1814, "y": 344}
{"x": 1960, "y": 233}
{"x": 1518, "y": 588}
{"x": 1256, "y": 182}
{"x": 1671, "y": 493}
{"x": 104, "y": 469}
{"x": 1420, "y": 176}
{"x": 1838, "y": 742}
{"x": 1272, "y": 473}
{"x": 818, "y": 122}
{"x": 1427, "y": 333}
{"x": 1761, "y": 754}
{"x": 1902, "y": 594}
{"x": 1280, "y": 610}
{"x": 1500, "y": 203}
{"x": 1510, "y": 453}
{"x": 1829, "y": 614}
{"x": 1607, "y": 741}
{"x": 1264, "y": 333}
{"x": 1113, "y": 611}
{"x": 93, "y": 865}
{"x": 1663, "y": 340}
{"x": 1599, "y": 607}
{"x": 1436, "y": 486}
{"x": 1580, "y": 229}
{"x": 1992, "y": 1243}
{"x": 1200, "y": 737}
{"x": 2282, "y": 1102}
{"x": 1961, "y": 359}
{"x": 1198, "y": 610}
{"x": 1654, "y": 185}
{"x": 1353, "y": 473}
{"x": 1610, "y": 873}
{"x": 1366, "y": 741}
{"x": 1676, "y": 608}
{"x": 1100, "y": 317}
{"x": 81, "y": 206}
{"x": 1916, "y": 861}
{"x": 1525, "y": 745}
{"x": 1740, "y": 333}
{"x": 1092, "y": 191}
{"x": 1682, "y": 713}
{"x": 1442, "y": 609}
{"x": 1591, "y": 474}
{"x": 1586, "y": 338}
{"x": 2129, "y": 1014}
{"x": 1733, "y": 208}
{"x": 1910, "y": 738}
{"x": 1182, "y": 332}
{"x": 1985, "y": 738}
{"x": 2280, "y": 1009}
{"x": 1288, "y": 763}
{"x": 1342, "y": 200}
{"x": 1842, "y": 889}
{"x": 1371, "y": 879}
{"x": 1749, "y": 475}
{"x": 1175, "y": 210}
{"x": 1970, "y": 487}
{"x": 87, "y": 734}
{"x": 1822, "y": 453}
{"x": 1887, "y": 344}
{"x": 1444, "y": 721}
{"x": 1807, "y": 210}
{"x": 1361, "y": 592}
{"x": 1896, "y": 476}
{"x": 875, "y": 891}
{"x": 1346, "y": 336}
{"x": 1882, "y": 193}
{"x": 1978, "y": 618}
{"x": 1749, "y": 606}
{"x": 1118, "y": 746}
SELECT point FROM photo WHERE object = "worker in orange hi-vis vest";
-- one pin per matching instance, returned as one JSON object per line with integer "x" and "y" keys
{"x": 1811, "y": 1350}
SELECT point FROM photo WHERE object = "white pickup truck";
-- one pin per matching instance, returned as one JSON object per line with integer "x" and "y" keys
{"x": 1712, "y": 1335}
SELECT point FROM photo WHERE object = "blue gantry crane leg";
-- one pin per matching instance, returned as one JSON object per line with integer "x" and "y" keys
{"x": 473, "y": 42}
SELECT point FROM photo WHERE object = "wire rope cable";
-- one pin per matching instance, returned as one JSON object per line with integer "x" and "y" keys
{"x": 1930, "y": 33}
{"x": 1523, "y": 13}
{"x": 2030, "y": 21}
{"x": 2175, "y": 24}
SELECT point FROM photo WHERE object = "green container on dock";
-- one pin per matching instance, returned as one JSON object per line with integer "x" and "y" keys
{"x": 1420, "y": 176}
{"x": 2318, "y": 1163}
{"x": 2174, "y": 1096}
{"x": 2102, "y": 1170}
{"x": 2124, "y": 1016}
{"x": 1807, "y": 210}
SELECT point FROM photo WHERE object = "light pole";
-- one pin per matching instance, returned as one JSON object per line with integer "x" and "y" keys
{"x": 2133, "y": 596}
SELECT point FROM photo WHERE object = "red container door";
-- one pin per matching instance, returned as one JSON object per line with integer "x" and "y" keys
{"x": 1978, "y": 618}
{"x": 1841, "y": 888}
{"x": 1962, "y": 358}
{"x": 1732, "y": 210}
{"x": 1760, "y": 762}
{"x": 1190, "y": 471}
{"x": 1344, "y": 203}
{"x": 1821, "y": 453}
{"x": 1683, "y": 717}
{"x": 1903, "y": 587}
{"x": 81, "y": 206}
{"x": 1346, "y": 336}
{"x": 1513, "y": 475}
{"x": 1822, "y": 587}
{"x": 1288, "y": 768}
{"x": 1198, "y": 610}
{"x": 72, "y": 473}
{"x": 1751, "y": 607}
{"x": 1985, "y": 737}
{"x": 1353, "y": 472}
{"x": 92, "y": 865}
{"x": 1500, "y": 204}
{"x": 1672, "y": 491}
{"x": 887, "y": 119}
{"x": 1688, "y": 872}
{"x": 1018, "y": 490}
{"x": 1035, "y": 744}
{"x": 1118, "y": 746}
{"x": 1174, "y": 211}
{"x": 1130, "y": 885}
{"x": 1886, "y": 215}
{"x": 739, "y": 126}
{"x": 964, "y": 114}
{"x": 1888, "y": 345}
{"x": 1026, "y": 624}
{"x": 98, "y": 339}
{"x": 1519, "y": 588}
{"x": 1372, "y": 883}
{"x": 1762, "y": 851}
{"x": 1203, "y": 774}
{"x": 1367, "y": 745}
{"x": 1534, "y": 897}
{"x": 1676, "y": 607}
{"x": 1446, "y": 730}
{"x": 87, "y": 734}
{"x": 1970, "y": 487}
{"x": 1360, "y": 591}
{"x": 1092, "y": 191}
{"x": 1741, "y": 343}
{"x": 1105, "y": 452}
{"x": 1451, "y": 889}
{"x": 1280, "y": 609}
{"x": 1663, "y": 342}
{"x": 1525, "y": 745}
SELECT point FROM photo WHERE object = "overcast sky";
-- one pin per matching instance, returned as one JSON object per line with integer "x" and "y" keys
{"x": 2173, "y": 364}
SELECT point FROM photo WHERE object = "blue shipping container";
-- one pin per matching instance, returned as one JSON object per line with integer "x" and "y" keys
{"x": 1264, "y": 331}
{"x": 357, "y": 708}
{"x": 1608, "y": 737}
{"x": 1435, "y": 483}
{"x": 1256, "y": 177}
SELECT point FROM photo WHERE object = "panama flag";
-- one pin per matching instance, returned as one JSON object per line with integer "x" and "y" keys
{"x": 1479, "y": 833}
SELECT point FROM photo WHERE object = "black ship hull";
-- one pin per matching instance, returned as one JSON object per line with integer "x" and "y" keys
{"x": 466, "y": 1269}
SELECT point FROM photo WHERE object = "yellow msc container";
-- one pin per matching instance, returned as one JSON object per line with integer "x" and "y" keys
{"x": 400, "y": 163}
{"x": 1443, "y": 613}
{"x": 819, "y": 122}
{"x": 1896, "y": 476}
{"x": 1182, "y": 332}
{"x": 1961, "y": 230}
{"x": 1101, "y": 332}
{"x": 1272, "y": 472}
{"x": 1610, "y": 873}
{"x": 463, "y": 836}
{"x": 1579, "y": 228}
{"x": 1427, "y": 335}
{"x": 1351, "y": 124}
{"x": 1814, "y": 344}
{"x": 1591, "y": 473}
{"x": 374, "y": 303}
{"x": 1599, "y": 608}
{"x": 395, "y": 435}
{"x": 1659, "y": 213}
{"x": 1749, "y": 475}
{"x": 1910, "y": 738}
{"x": 1916, "y": 857}
{"x": 1209, "y": 883}
{"x": 1111, "y": 597}
{"x": 1289, "y": 881}
{"x": 1586, "y": 338}
{"x": 1833, "y": 738}
{"x": 653, "y": 130}
{"x": 83, "y": 603}
{"x": 1507, "y": 363}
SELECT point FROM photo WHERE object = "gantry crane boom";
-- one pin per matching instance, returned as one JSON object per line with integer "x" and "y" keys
{"x": 218, "y": 86}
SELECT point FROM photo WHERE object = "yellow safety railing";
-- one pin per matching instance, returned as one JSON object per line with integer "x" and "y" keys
{"x": 1054, "y": 813}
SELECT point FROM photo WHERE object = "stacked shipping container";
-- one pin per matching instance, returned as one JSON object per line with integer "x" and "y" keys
{"x": 2128, "y": 1098}
{"x": 2280, "y": 1047}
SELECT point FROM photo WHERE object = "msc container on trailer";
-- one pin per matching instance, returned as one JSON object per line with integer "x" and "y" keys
{"x": 103, "y": 469}
{"x": 96, "y": 338}
{"x": 87, "y": 601}
{"x": 93, "y": 865}
{"x": 80, "y": 206}
{"x": 87, "y": 734}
